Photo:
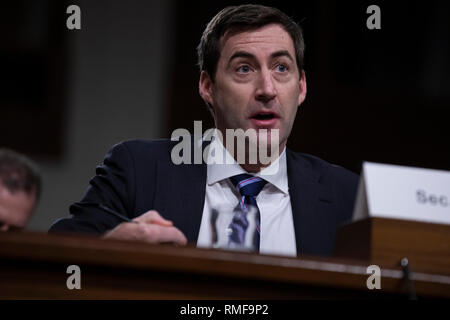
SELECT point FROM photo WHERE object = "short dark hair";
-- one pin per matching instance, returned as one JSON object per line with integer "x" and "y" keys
{"x": 243, "y": 18}
{"x": 19, "y": 173}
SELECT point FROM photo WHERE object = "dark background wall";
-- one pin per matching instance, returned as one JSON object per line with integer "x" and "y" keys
{"x": 130, "y": 72}
{"x": 113, "y": 85}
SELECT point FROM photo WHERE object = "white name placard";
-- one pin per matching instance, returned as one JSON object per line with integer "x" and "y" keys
{"x": 398, "y": 192}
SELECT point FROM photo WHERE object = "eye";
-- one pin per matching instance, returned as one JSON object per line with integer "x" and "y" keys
{"x": 243, "y": 69}
{"x": 281, "y": 68}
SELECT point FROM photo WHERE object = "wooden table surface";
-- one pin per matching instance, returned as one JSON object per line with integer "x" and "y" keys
{"x": 33, "y": 266}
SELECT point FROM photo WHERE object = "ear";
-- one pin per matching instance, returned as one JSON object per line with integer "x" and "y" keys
{"x": 205, "y": 87}
{"x": 302, "y": 88}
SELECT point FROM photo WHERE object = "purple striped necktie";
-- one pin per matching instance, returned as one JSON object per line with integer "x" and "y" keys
{"x": 248, "y": 187}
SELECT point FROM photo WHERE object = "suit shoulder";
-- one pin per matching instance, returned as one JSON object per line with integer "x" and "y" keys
{"x": 136, "y": 144}
{"x": 326, "y": 169}
{"x": 146, "y": 149}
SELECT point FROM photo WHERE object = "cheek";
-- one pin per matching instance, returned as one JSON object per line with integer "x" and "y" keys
{"x": 289, "y": 96}
{"x": 233, "y": 96}
{"x": 289, "y": 106}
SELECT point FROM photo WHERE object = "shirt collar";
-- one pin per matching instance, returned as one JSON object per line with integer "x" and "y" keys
{"x": 275, "y": 173}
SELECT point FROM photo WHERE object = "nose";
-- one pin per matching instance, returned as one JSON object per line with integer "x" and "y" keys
{"x": 265, "y": 90}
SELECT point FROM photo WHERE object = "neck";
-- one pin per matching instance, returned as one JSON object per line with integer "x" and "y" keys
{"x": 246, "y": 152}
{"x": 257, "y": 167}
{"x": 247, "y": 159}
{"x": 253, "y": 168}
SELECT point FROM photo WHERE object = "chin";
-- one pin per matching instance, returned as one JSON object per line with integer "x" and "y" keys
{"x": 268, "y": 137}
{"x": 268, "y": 142}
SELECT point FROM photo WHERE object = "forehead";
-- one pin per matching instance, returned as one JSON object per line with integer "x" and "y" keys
{"x": 15, "y": 208}
{"x": 267, "y": 39}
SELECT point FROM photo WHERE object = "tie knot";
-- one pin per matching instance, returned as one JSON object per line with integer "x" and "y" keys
{"x": 248, "y": 185}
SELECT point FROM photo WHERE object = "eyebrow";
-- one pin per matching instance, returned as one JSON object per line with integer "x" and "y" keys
{"x": 282, "y": 53}
{"x": 241, "y": 54}
{"x": 245, "y": 54}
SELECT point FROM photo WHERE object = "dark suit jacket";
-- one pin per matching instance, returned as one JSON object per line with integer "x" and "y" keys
{"x": 137, "y": 176}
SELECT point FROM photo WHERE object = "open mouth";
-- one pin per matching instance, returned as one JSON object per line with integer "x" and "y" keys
{"x": 264, "y": 116}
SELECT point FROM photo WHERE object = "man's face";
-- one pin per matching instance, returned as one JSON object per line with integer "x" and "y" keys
{"x": 15, "y": 208}
{"x": 257, "y": 84}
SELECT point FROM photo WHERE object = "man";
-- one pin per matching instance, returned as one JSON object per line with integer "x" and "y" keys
{"x": 20, "y": 186}
{"x": 252, "y": 78}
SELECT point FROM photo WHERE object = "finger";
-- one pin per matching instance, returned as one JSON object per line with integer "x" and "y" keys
{"x": 153, "y": 216}
{"x": 160, "y": 234}
{"x": 124, "y": 231}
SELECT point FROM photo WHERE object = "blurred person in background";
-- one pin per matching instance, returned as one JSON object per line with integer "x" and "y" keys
{"x": 20, "y": 187}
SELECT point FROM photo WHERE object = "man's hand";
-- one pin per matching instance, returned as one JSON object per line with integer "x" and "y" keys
{"x": 150, "y": 228}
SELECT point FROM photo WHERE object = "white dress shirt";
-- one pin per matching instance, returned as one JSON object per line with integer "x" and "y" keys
{"x": 277, "y": 226}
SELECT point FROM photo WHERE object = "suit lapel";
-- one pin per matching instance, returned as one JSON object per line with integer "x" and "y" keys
{"x": 304, "y": 191}
{"x": 180, "y": 195}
